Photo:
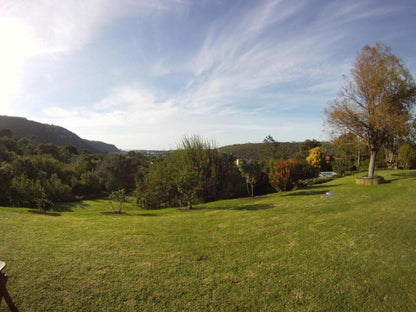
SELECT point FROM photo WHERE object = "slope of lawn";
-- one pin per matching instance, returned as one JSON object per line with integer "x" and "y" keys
{"x": 352, "y": 249}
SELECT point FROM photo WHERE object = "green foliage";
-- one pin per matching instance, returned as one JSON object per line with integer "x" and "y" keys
{"x": 57, "y": 190}
{"x": 196, "y": 170}
{"x": 342, "y": 165}
{"x": 407, "y": 155}
{"x": 188, "y": 185}
{"x": 5, "y": 181}
{"x": 251, "y": 171}
{"x": 118, "y": 196}
{"x": 306, "y": 146}
{"x": 157, "y": 188}
{"x": 309, "y": 182}
{"x": 25, "y": 192}
{"x": 57, "y": 173}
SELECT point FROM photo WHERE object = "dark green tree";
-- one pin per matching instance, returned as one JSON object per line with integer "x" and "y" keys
{"x": 251, "y": 171}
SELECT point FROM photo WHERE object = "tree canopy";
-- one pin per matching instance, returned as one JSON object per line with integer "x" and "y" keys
{"x": 376, "y": 104}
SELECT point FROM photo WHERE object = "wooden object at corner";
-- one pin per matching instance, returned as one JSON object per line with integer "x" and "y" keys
{"x": 3, "y": 290}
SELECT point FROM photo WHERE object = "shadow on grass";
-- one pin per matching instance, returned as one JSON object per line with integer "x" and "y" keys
{"x": 115, "y": 213}
{"x": 318, "y": 186}
{"x": 312, "y": 190}
{"x": 45, "y": 213}
{"x": 402, "y": 175}
{"x": 253, "y": 207}
{"x": 147, "y": 215}
{"x": 68, "y": 206}
{"x": 307, "y": 192}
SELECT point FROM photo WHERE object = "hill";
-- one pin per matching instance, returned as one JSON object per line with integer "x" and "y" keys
{"x": 284, "y": 149}
{"x": 44, "y": 133}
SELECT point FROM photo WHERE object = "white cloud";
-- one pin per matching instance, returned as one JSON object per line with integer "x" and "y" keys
{"x": 253, "y": 68}
{"x": 239, "y": 57}
{"x": 37, "y": 27}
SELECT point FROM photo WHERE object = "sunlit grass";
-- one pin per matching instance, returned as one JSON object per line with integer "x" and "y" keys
{"x": 353, "y": 249}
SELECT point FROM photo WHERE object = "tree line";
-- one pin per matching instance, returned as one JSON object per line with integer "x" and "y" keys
{"x": 37, "y": 175}
{"x": 34, "y": 174}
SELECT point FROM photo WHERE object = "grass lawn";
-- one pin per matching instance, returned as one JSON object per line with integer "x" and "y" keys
{"x": 295, "y": 251}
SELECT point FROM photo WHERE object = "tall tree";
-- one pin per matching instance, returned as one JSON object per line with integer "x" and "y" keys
{"x": 375, "y": 105}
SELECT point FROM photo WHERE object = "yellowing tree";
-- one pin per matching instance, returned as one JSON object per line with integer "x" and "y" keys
{"x": 316, "y": 157}
{"x": 376, "y": 105}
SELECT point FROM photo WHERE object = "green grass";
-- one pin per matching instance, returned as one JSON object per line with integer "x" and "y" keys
{"x": 296, "y": 251}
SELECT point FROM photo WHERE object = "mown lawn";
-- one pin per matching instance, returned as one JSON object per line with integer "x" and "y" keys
{"x": 304, "y": 250}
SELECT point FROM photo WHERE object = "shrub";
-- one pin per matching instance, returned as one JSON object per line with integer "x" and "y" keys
{"x": 284, "y": 176}
{"x": 120, "y": 197}
{"x": 307, "y": 171}
{"x": 309, "y": 182}
{"x": 57, "y": 190}
{"x": 157, "y": 188}
{"x": 316, "y": 157}
{"x": 342, "y": 165}
{"x": 251, "y": 172}
{"x": 407, "y": 155}
{"x": 28, "y": 193}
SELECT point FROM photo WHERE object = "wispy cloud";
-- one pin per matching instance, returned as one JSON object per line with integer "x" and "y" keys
{"x": 29, "y": 29}
{"x": 245, "y": 55}
{"x": 274, "y": 44}
{"x": 242, "y": 69}
{"x": 67, "y": 25}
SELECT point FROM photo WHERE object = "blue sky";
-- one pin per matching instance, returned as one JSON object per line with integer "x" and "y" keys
{"x": 141, "y": 74}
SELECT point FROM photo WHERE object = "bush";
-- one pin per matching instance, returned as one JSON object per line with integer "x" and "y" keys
{"x": 44, "y": 204}
{"x": 309, "y": 182}
{"x": 57, "y": 190}
{"x": 307, "y": 171}
{"x": 285, "y": 175}
{"x": 27, "y": 193}
{"x": 157, "y": 189}
{"x": 407, "y": 155}
{"x": 118, "y": 196}
{"x": 342, "y": 165}
{"x": 196, "y": 171}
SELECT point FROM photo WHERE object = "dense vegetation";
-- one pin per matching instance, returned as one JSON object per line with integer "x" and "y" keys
{"x": 34, "y": 174}
{"x": 37, "y": 175}
{"x": 304, "y": 250}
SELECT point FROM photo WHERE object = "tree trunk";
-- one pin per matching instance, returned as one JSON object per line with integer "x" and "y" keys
{"x": 252, "y": 190}
{"x": 372, "y": 164}
{"x": 189, "y": 204}
{"x": 359, "y": 161}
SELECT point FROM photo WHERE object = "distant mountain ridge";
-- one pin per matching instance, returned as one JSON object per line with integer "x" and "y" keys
{"x": 44, "y": 133}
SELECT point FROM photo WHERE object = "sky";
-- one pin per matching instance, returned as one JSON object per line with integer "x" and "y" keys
{"x": 141, "y": 74}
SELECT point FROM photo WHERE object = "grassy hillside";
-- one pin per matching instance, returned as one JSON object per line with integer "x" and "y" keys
{"x": 350, "y": 249}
